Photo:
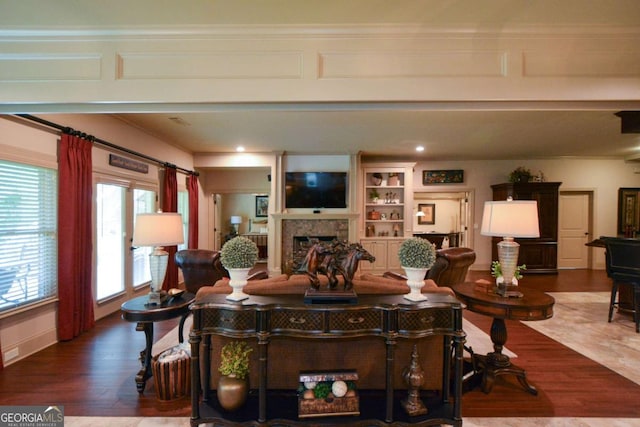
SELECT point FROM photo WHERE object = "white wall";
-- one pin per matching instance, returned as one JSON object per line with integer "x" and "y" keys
{"x": 603, "y": 177}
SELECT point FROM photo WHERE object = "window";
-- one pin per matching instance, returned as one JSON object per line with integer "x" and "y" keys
{"x": 144, "y": 201}
{"x": 28, "y": 244}
{"x": 183, "y": 209}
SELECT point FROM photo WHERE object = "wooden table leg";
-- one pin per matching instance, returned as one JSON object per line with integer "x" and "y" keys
{"x": 495, "y": 364}
{"x": 145, "y": 355}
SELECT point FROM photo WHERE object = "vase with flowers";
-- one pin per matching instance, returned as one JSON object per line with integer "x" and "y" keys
{"x": 233, "y": 385}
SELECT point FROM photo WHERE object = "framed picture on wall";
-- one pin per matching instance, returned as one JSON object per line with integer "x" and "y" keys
{"x": 262, "y": 206}
{"x": 429, "y": 211}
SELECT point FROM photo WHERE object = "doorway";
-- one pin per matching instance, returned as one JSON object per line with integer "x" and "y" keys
{"x": 452, "y": 214}
{"x": 575, "y": 229}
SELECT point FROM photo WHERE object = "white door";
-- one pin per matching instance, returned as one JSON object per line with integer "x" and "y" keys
{"x": 573, "y": 229}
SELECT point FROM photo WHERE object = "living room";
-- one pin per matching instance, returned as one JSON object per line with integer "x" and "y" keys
{"x": 116, "y": 82}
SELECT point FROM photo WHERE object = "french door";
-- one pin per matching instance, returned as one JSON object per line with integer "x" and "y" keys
{"x": 120, "y": 270}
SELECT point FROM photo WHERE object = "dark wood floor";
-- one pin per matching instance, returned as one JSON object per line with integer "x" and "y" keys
{"x": 93, "y": 375}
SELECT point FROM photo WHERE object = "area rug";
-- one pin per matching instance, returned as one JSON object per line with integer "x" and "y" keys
{"x": 580, "y": 322}
{"x": 477, "y": 339}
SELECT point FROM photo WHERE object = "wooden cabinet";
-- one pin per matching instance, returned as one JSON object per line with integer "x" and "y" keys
{"x": 539, "y": 254}
{"x": 386, "y": 253}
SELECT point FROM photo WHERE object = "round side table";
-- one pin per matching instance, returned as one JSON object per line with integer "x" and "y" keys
{"x": 479, "y": 298}
{"x": 136, "y": 310}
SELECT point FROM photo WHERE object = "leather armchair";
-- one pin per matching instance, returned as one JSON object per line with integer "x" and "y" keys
{"x": 450, "y": 267}
{"x": 202, "y": 267}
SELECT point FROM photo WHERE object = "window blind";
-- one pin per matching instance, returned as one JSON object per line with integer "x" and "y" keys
{"x": 28, "y": 238}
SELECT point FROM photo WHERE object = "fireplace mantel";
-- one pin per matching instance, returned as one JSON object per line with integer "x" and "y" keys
{"x": 312, "y": 216}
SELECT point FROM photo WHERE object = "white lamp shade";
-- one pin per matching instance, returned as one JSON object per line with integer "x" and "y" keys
{"x": 158, "y": 229}
{"x": 514, "y": 218}
{"x": 236, "y": 219}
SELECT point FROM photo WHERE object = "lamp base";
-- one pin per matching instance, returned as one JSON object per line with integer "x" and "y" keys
{"x": 507, "y": 291}
{"x": 155, "y": 298}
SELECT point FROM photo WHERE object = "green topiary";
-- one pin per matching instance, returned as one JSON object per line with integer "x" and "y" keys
{"x": 239, "y": 252}
{"x": 417, "y": 253}
{"x": 234, "y": 359}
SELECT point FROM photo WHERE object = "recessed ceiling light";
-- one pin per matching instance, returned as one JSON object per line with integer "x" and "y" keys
{"x": 240, "y": 149}
{"x": 419, "y": 148}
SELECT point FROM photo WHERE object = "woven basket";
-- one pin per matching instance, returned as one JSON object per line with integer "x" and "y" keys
{"x": 172, "y": 379}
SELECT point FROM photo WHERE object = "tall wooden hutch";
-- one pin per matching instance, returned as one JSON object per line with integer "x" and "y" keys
{"x": 539, "y": 254}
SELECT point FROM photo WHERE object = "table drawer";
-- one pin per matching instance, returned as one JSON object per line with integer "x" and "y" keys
{"x": 296, "y": 320}
{"x": 355, "y": 320}
{"x": 425, "y": 320}
{"x": 230, "y": 320}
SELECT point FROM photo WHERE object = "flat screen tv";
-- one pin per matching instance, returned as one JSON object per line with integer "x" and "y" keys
{"x": 315, "y": 190}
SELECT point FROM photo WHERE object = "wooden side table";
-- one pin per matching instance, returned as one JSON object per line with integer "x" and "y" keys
{"x": 135, "y": 310}
{"x": 533, "y": 305}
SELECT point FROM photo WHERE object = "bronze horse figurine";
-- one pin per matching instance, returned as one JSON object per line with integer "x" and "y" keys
{"x": 336, "y": 258}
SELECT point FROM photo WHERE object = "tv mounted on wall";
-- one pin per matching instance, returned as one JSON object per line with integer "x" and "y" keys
{"x": 315, "y": 190}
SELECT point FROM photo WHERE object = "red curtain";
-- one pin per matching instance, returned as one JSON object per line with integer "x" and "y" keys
{"x": 170, "y": 204}
{"x": 192, "y": 187}
{"x": 75, "y": 192}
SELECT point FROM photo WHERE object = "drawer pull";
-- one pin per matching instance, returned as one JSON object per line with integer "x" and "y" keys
{"x": 427, "y": 320}
{"x": 356, "y": 320}
{"x": 226, "y": 319}
{"x": 297, "y": 321}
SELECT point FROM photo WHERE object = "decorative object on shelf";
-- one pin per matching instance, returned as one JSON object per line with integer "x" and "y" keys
{"x": 509, "y": 219}
{"x": 328, "y": 393}
{"x": 331, "y": 259}
{"x": 373, "y": 215}
{"x": 395, "y": 215}
{"x": 428, "y": 216}
{"x": 233, "y": 385}
{"x": 376, "y": 179}
{"x": 238, "y": 256}
{"x": 451, "y": 176}
{"x": 374, "y": 195}
{"x": 393, "y": 180}
{"x": 262, "y": 206}
{"x": 396, "y": 230}
{"x": 520, "y": 174}
{"x": 413, "y": 376}
{"x": 416, "y": 258}
{"x": 158, "y": 230}
{"x": 391, "y": 198}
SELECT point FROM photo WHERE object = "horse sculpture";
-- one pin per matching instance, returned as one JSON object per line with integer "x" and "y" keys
{"x": 333, "y": 259}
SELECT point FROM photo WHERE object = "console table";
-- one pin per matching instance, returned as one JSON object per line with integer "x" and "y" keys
{"x": 389, "y": 317}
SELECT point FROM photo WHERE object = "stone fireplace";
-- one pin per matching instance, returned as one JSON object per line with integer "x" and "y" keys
{"x": 300, "y": 227}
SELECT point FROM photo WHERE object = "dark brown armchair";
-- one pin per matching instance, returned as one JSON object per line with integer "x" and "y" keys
{"x": 450, "y": 267}
{"x": 202, "y": 267}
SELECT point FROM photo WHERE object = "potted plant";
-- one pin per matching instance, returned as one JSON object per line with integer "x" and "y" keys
{"x": 233, "y": 385}
{"x": 238, "y": 256}
{"x": 496, "y": 271}
{"x": 416, "y": 258}
{"x": 374, "y": 195}
{"x": 520, "y": 174}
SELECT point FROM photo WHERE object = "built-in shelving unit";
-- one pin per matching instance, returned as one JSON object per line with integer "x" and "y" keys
{"x": 387, "y": 212}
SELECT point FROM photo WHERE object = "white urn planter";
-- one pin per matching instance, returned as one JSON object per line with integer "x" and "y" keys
{"x": 238, "y": 278}
{"x": 415, "y": 281}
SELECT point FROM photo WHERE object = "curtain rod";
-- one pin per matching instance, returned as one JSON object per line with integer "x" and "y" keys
{"x": 70, "y": 130}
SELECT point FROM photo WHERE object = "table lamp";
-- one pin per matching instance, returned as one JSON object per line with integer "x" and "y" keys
{"x": 236, "y": 220}
{"x": 509, "y": 219}
{"x": 158, "y": 230}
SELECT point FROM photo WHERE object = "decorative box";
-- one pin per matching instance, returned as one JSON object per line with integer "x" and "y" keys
{"x": 328, "y": 393}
